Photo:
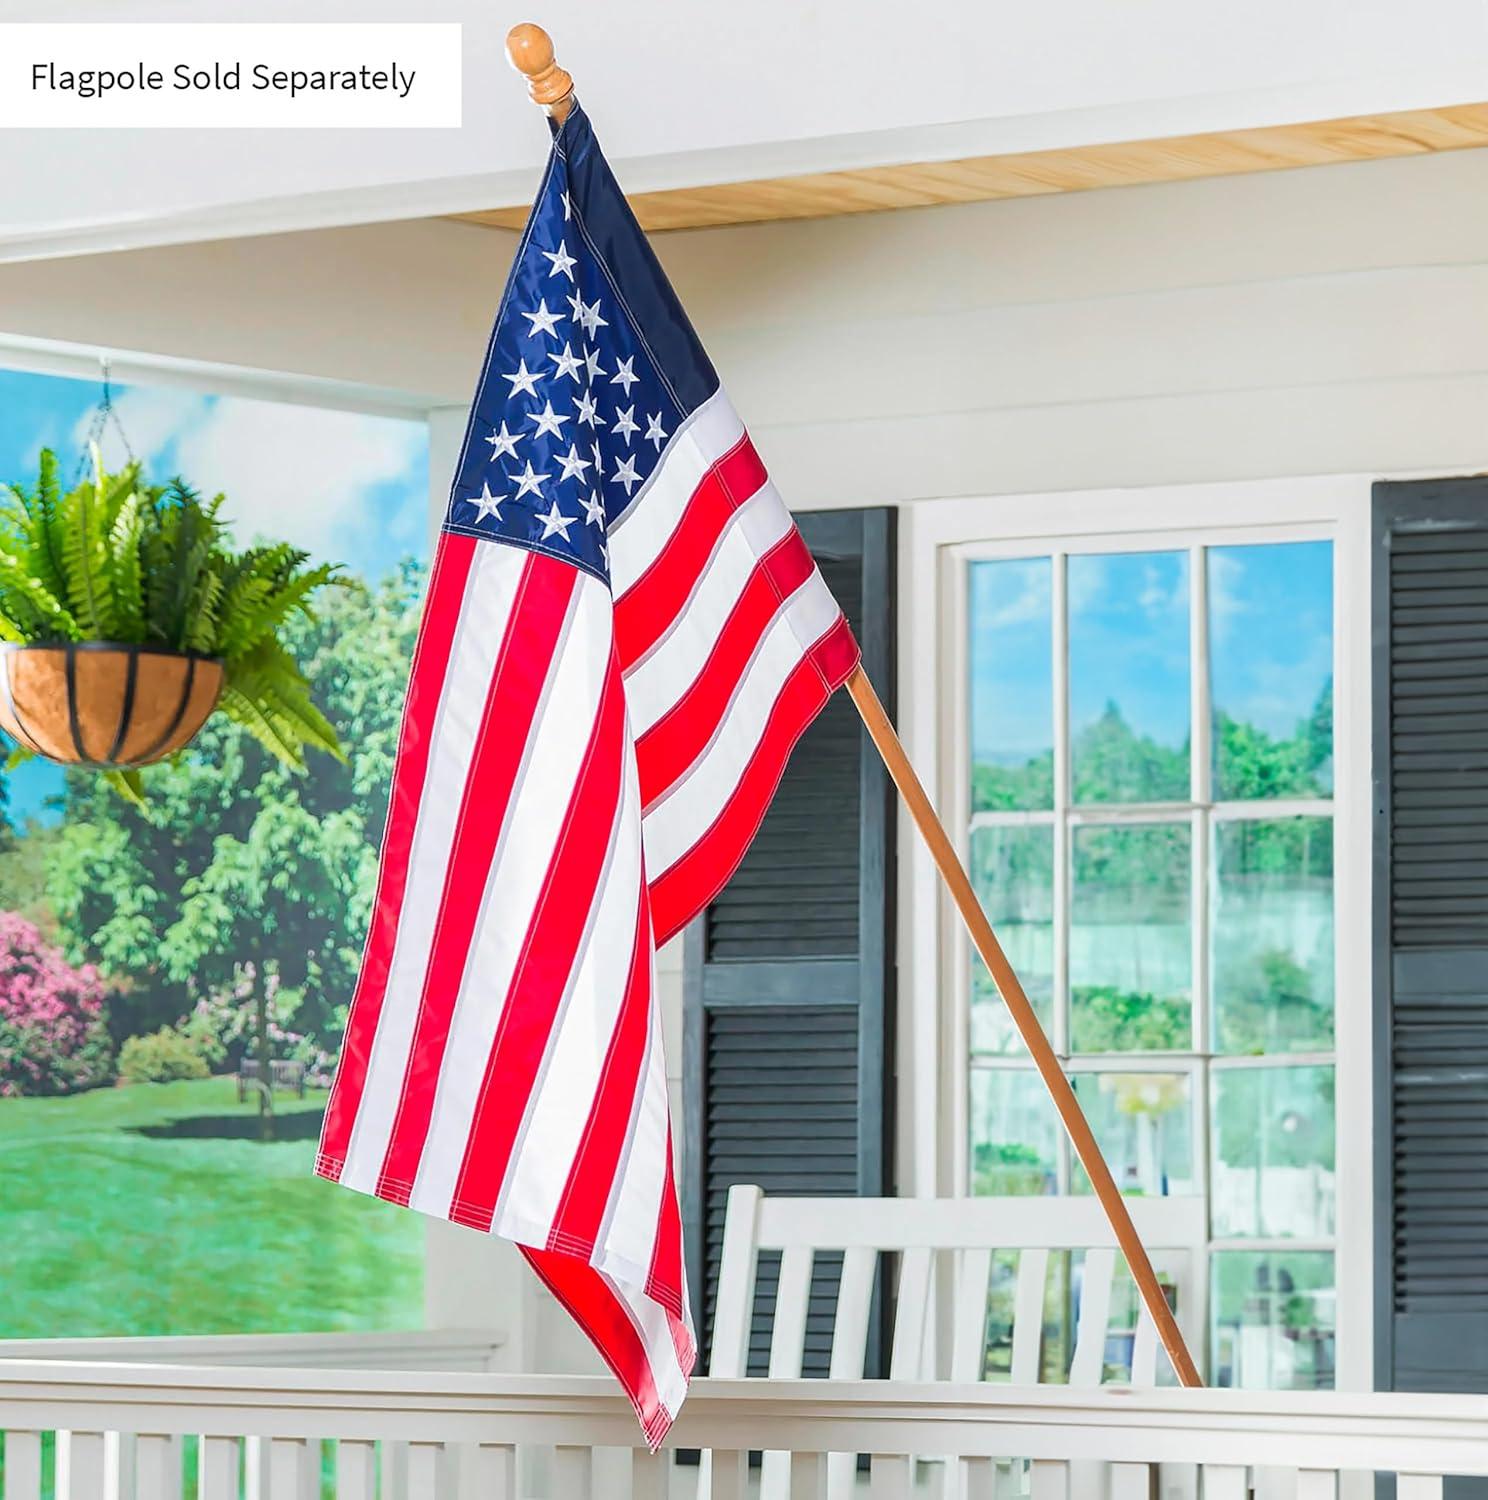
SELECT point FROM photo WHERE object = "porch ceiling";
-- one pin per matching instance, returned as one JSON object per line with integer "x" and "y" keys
{"x": 1218, "y": 153}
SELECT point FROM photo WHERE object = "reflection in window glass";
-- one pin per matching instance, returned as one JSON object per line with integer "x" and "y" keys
{"x": 1130, "y": 957}
{"x": 1272, "y": 1173}
{"x": 1002, "y": 1287}
{"x": 1013, "y": 871}
{"x": 1274, "y": 1317}
{"x": 1143, "y": 1123}
{"x": 1015, "y": 1133}
{"x": 1271, "y": 669}
{"x": 1128, "y": 675}
{"x": 143, "y": 1195}
{"x": 1273, "y": 935}
{"x": 1012, "y": 677}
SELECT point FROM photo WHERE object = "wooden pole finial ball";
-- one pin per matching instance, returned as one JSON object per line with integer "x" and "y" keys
{"x": 529, "y": 49}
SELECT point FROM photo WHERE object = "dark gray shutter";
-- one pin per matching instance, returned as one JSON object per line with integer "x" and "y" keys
{"x": 788, "y": 973}
{"x": 1431, "y": 934}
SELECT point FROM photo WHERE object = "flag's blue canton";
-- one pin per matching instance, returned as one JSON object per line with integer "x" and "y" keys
{"x": 573, "y": 413}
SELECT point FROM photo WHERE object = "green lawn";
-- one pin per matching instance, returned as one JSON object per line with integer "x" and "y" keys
{"x": 154, "y": 1209}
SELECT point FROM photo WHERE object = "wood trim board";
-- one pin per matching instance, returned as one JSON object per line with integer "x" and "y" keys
{"x": 1065, "y": 170}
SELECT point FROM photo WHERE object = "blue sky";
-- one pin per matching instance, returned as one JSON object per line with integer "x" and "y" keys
{"x": 346, "y": 487}
{"x": 1270, "y": 630}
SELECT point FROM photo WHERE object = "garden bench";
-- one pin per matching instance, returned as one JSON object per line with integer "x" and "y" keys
{"x": 284, "y": 1075}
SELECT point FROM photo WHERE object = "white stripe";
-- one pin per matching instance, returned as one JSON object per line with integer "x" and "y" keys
{"x": 637, "y": 537}
{"x": 635, "y": 1204}
{"x": 555, "y": 753}
{"x": 574, "y": 1068}
{"x": 694, "y": 801}
{"x": 652, "y": 1322}
{"x": 655, "y": 683}
{"x": 489, "y": 591}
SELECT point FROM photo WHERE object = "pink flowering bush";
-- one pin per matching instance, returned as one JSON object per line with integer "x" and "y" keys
{"x": 53, "y": 1027}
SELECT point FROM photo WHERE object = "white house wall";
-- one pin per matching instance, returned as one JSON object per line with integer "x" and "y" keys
{"x": 698, "y": 94}
{"x": 1330, "y": 320}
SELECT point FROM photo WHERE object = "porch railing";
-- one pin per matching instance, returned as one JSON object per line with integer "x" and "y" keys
{"x": 263, "y": 1433}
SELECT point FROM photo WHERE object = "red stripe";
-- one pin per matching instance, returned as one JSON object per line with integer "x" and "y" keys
{"x": 592, "y": 1304}
{"x": 452, "y": 562}
{"x": 592, "y": 1176}
{"x": 647, "y": 608}
{"x": 546, "y": 961}
{"x": 679, "y": 893}
{"x": 676, "y": 739}
{"x": 524, "y": 662}
{"x": 665, "y": 1281}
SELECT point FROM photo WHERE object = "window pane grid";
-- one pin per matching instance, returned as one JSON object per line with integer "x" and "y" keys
{"x": 1132, "y": 962}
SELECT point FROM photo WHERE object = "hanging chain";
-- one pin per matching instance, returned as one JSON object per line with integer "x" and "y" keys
{"x": 104, "y": 414}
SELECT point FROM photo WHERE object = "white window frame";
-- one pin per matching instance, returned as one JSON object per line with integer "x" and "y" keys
{"x": 938, "y": 539}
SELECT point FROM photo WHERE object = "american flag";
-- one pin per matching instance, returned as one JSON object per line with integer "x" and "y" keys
{"x": 624, "y": 638}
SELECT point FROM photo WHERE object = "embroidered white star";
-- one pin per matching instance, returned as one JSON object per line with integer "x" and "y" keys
{"x": 567, "y": 207}
{"x": 626, "y": 475}
{"x": 562, "y": 261}
{"x": 547, "y": 421}
{"x": 654, "y": 431}
{"x": 529, "y": 483}
{"x": 504, "y": 443}
{"x": 593, "y": 509}
{"x": 586, "y": 315}
{"x": 598, "y": 460}
{"x": 523, "y": 381}
{"x": 542, "y": 320}
{"x": 568, "y": 364}
{"x": 573, "y": 465}
{"x": 624, "y": 375}
{"x": 591, "y": 358}
{"x": 554, "y": 521}
{"x": 486, "y": 504}
{"x": 626, "y": 423}
{"x": 604, "y": 555}
{"x": 588, "y": 410}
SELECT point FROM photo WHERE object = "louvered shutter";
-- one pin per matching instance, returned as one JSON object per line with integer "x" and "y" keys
{"x": 1431, "y": 933}
{"x": 788, "y": 1004}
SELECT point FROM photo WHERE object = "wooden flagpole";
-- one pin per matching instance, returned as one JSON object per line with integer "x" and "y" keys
{"x": 530, "y": 51}
{"x": 958, "y": 883}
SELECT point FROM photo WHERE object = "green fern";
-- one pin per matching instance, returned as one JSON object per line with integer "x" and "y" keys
{"x": 116, "y": 559}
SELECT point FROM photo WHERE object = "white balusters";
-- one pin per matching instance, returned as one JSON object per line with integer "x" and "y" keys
{"x": 573, "y": 1473}
{"x": 1131, "y": 1482}
{"x": 1317, "y": 1484}
{"x": 493, "y": 1467}
{"x": 808, "y": 1476}
{"x": 911, "y": 1315}
{"x": 217, "y": 1468}
{"x": 1048, "y": 1479}
{"x": 157, "y": 1467}
{"x": 649, "y": 1475}
{"x": 1418, "y": 1487}
{"x": 969, "y": 1338}
{"x": 1227, "y": 1482}
{"x": 291, "y": 1469}
{"x": 356, "y": 1469}
{"x": 83, "y": 1467}
{"x": 22, "y": 1465}
{"x": 730, "y": 1474}
{"x": 424, "y": 1475}
{"x": 890, "y": 1477}
{"x": 1095, "y": 1317}
{"x": 1028, "y": 1315}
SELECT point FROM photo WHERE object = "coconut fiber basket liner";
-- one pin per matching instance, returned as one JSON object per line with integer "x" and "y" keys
{"x": 97, "y": 703}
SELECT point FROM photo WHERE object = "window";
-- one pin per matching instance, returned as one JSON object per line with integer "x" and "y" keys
{"x": 1151, "y": 832}
{"x": 140, "y": 1196}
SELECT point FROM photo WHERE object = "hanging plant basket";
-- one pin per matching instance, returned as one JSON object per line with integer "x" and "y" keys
{"x": 103, "y": 704}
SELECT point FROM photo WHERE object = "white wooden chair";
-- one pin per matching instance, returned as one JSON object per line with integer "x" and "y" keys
{"x": 953, "y": 1240}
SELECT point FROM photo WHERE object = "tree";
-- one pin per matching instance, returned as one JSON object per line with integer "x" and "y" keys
{"x": 238, "y": 865}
